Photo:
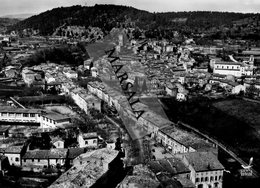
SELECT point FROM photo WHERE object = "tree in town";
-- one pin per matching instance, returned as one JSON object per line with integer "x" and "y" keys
{"x": 252, "y": 91}
{"x": 136, "y": 87}
{"x": 144, "y": 86}
{"x": 118, "y": 145}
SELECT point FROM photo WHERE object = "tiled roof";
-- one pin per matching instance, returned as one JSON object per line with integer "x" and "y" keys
{"x": 142, "y": 177}
{"x": 11, "y": 149}
{"x": 55, "y": 116}
{"x": 203, "y": 161}
{"x": 19, "y": 110}
{"x": 173, "y": 166}
{"x": 87, "y": 169}
{"x": 74, "y": 152}
{"x": 185, "y": 138}
{"x": 46, "y": 154}
{"x": 90, "y": 135}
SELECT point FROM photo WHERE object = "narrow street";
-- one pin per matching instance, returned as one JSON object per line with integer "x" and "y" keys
{"x": 131, "y": 147}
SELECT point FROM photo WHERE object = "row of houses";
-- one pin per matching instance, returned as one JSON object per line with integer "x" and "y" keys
{"x": 180, "y": 141}
{"x": 64, "y": 75}
{"x": 165, "y": 131}
{"x": 37, "y": 160}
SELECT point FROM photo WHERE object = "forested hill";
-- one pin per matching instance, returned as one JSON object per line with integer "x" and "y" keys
{"x": 104, "y": 16}
{"x": 109, "y": 16}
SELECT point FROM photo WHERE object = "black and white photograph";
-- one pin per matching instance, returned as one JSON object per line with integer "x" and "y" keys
{"x": 129, "y": 93}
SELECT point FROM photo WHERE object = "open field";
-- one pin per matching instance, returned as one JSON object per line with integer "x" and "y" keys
{"x": 246, "y": 111}
{"x": 62, "y": 110}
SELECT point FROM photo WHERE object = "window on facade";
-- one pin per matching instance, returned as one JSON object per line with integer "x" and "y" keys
{"x": 32, "y": 115}
{"x": 11, "y": 114}
{"x": 18, "y": 115}
{"x": 216, "y": 178}
{"x": 16, "y": 159}
{"x": 86, "y": 142}
{"x": 197, "y": 180}
{"x": 39, "y": 160}
{"x": 94, "y": 141}
{"x": 201, "y": 179}
{"x": 220, "y": 178}
{"x": 32, "y": 160}
{"x": 50, "y": 121}
{"x": 211, "y": 178}
{"x": 4, "y": 114}
{"x": 25, "y": 115}
{"x": 24, "y": 160}
{"x": 43, "y": 118}
{"x": 206, "y": 179}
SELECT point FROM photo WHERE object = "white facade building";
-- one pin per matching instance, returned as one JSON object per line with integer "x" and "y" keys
{"x": 236, "y": 69}
{"x": 89, "y": 140}
{"x": 13, "y": 154}
{"x": 46, "y": 119}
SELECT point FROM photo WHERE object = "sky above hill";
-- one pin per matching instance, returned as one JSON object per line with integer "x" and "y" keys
{"x": 11, "y": 7}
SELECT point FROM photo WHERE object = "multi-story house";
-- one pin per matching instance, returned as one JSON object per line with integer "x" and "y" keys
{"x": 38, "y": 159}
{"x": 31, "y": 76}
{"x": 51, "y": 120}
{"x": 228, "y": 68}
{"x": 206, "y": 170}
{"x": 13, "y": 153}
{"x": 234, "y": 68}
{"x": 88, "y": 140}
{"x": 79, "y": 99}
{"x": 46, "y": 119}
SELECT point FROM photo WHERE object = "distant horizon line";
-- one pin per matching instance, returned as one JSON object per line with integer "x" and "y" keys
{"x": 220, "y": 11}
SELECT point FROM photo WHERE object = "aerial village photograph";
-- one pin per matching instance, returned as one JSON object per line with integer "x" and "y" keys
{"x": 129, "y": 94}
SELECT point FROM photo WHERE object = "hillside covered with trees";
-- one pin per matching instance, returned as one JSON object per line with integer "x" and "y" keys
{"x": 108, "y": 16}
